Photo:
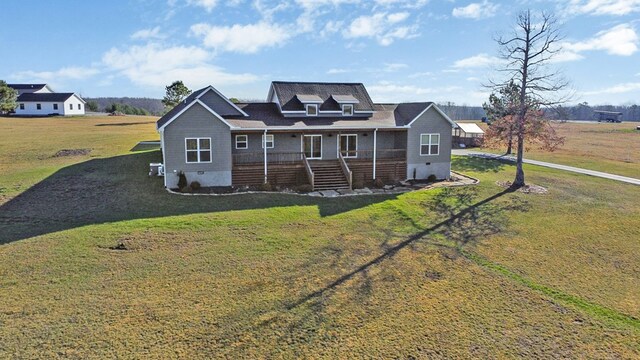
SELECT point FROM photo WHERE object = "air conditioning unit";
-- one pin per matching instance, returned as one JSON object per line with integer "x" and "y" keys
{"x": 156, "y": 169}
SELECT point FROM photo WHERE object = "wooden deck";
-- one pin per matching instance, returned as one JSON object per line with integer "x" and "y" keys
{"x": 293, "y": 173}
{"x": 388, "y": 170}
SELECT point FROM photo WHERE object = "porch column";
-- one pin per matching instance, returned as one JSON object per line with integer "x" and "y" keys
{"x": 264, "y": 146}
{"x": 375, "y": 151}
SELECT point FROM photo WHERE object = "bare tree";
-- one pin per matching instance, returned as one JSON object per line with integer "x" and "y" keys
{"x": 527, "y": 53}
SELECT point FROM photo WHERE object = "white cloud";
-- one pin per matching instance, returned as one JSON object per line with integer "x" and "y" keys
{"x": 314, "y": 4}
{"x": 208, "y": 5}
{"x": 421, "y": 74}
{"x": 476, "y": 61}
{"x": 58, "y": 76}
{"x": 616, "y": 89}
{"x": 337, "y": 71}
{"x": 481, "y": 10}
{"x": 331, "y": 27}
{"x": 408, "y": 4}
{"x": 602, "y": 7}
{"x": 386, "y": 91}
{"x": 156, "y": 66}
{"x": 147, "y": 34}
{"x": 393, "y": 67}
{"x": 619, "y": 40}
{"x": 245, "y": 39}
{"x": 381, "y": 27}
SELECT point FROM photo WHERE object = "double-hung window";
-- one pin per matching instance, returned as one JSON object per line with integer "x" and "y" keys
{"x": 429, "y": 144}
{"x": 198, "y": 150}
{"x": 268, "y": 139}
{"x": 38, "y": 106}
{"x": 21, "y": 106}
{"x": 55, "y": 106}
{"x": 242, "y": 141}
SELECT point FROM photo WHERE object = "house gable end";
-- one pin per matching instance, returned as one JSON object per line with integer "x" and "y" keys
{"x": 434, "y": 108}
{"x": 220, "y": 103}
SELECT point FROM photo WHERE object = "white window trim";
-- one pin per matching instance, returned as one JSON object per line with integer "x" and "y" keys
{"x": 197, "y": 139}
{"x": 302, "y": 145}
{"x": 246, "y": 142}
{"x": 21, "y": 106}
{"x": 307, "y": 106}
{"x": 347, "y": 105}
{"x": 430, "y": 144}
{"x": 340, "y": 150}
{"x": 273, "y": 141}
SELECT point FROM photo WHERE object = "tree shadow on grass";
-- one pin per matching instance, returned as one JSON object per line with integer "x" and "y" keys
{"x": 115, "y": 189}
{"x": 478, "y": 164}
{"x": 465, "y": 222}
{"x": 460, "y": 220}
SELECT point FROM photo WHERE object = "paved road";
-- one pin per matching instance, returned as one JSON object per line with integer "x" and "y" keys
{"x": 549, "y": 165}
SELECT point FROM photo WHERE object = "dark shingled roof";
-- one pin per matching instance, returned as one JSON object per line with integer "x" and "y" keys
{"x": 27, "y": 86}
{"x": 176, "y": 109}
{"x": 45, "y": 97}
{"x": 286, "y": 92}
{"x": 409, "y": 111}
{"x": 267, "y": 115}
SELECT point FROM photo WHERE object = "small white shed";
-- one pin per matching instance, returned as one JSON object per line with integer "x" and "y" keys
{"x": 467, "y": 135}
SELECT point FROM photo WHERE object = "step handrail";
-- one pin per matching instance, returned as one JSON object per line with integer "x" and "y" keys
{"x": 309, "y": 171}
{"x": 345, "y": 169}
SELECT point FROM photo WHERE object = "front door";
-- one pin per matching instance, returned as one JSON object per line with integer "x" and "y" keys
{"x": 312, "y": 146}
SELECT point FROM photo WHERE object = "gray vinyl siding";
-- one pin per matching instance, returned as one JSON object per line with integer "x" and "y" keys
{"x": 431, "y": 122}
{"x": 197, "y": 122}
{"x": 218, "y": 104}
{"x": 292, "y": 142}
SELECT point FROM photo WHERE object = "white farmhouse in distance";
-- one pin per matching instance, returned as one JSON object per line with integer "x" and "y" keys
{"x": 41, "y": 100}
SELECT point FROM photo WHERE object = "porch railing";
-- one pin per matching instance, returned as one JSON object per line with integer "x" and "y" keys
{"x": 272, "y": 158}
{"x": 380, "y": 154}
{"x": 347, "y": 172}
{"x": 307, "y": 168}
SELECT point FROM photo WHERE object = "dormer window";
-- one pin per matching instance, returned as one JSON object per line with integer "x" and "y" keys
{"x": 347, "y": 110}
{"x": 312, "y": 109}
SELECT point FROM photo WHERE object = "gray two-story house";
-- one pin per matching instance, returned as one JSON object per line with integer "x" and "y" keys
{"x": 329, "y": 135}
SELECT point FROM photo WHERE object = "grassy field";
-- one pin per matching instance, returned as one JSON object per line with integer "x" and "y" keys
{"x": 466, "y": 272}
{"x": 612, "y": 148}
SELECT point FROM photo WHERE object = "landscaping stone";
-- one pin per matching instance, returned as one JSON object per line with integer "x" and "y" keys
{"x": 315, "y": 193}
{"x": 363, "y": 191}
{"x": 388, "y": 187}
{"x": 378, "y": 191}
{"x": 329, "y": 193}
{"x": 345, "y": 192}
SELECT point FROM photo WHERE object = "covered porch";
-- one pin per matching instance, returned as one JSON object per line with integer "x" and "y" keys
{"x": 322, "y": 159}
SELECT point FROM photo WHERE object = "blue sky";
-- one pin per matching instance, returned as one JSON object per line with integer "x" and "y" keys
{"x": 420, "y": 50}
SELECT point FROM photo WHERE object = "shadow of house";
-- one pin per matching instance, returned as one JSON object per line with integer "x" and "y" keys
{"x": 118, "y": 188}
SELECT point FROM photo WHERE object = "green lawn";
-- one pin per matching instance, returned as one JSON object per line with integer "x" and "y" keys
{"x": 464, "y": 272}
{"x": 612, "y": 148}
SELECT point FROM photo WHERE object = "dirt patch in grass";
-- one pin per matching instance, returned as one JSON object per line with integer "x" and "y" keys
{"x": 527, "y": 189}
{"x": 72, "y": 152}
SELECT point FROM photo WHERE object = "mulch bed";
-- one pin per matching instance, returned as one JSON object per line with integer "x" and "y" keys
{"x": 72, "y": 152}
{"x": 527, "y": 189}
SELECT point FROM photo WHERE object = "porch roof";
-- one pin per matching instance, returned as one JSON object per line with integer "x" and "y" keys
{"x": 268, "y": 116}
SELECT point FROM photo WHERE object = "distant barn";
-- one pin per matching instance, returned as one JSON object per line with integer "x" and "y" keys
{"x": 607, "y": 116}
